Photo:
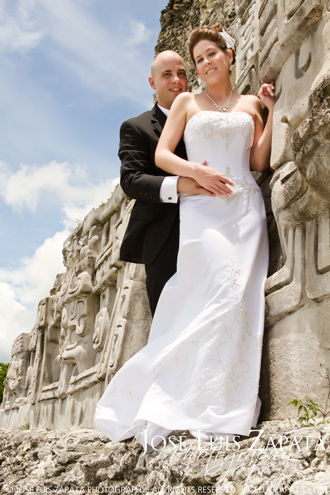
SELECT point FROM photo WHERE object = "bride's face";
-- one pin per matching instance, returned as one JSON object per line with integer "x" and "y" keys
{"x": 211, "y": 61}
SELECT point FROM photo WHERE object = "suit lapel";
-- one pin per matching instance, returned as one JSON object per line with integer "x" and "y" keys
{"x": 158, "y": 119}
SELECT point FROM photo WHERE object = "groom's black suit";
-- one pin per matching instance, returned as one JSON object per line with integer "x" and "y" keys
{"x": 152, "y": 235}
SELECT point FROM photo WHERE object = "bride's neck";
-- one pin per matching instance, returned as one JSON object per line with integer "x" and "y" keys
{"x": 219, "y": 91}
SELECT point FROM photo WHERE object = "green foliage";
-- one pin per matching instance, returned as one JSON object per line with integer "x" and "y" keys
{"x": 3, "y": 373}
{"x": 307, "y": 411}
{"x": 312, "y": 413}
{"x": 26, "y": 426}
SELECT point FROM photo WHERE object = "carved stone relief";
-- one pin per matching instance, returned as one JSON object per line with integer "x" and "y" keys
{"x": 95, "y": 318}
{"x": 15, "y": 385}
{"x": 298, "y": 294}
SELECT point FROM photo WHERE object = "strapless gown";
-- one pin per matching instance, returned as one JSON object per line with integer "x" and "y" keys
{"x": 200, "y": 369}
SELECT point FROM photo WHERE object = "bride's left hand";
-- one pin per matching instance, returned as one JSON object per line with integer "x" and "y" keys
{"x": 267, "y": 95}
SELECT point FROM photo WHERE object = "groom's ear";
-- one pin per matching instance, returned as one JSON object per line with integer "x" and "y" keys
{"x": 152, "y": 82}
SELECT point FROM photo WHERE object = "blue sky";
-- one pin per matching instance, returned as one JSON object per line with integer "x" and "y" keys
{"x": 71, "y": 72}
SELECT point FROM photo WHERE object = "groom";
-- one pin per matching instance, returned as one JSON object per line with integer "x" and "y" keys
{"x": 152, "y": 235}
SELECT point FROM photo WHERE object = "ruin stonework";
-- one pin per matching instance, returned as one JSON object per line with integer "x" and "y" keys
{"x": 96, "y": 317}
{"x": 281, "y": 459}
{"x": 97, "y": 313}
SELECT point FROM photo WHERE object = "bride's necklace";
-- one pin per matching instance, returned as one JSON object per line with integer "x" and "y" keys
{"x": 218, "y": 107}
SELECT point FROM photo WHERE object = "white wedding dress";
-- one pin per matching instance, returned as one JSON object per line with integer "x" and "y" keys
{"x": 200, "y": 369}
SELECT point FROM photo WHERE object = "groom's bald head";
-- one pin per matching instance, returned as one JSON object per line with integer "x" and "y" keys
{"x": 168, "y": 77}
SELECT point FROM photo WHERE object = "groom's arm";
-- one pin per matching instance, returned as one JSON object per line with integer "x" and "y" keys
{"x": 139, "y": 177}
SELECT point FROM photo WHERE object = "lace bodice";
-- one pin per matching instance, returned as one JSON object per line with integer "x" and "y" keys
{"x": 224, "y": 140}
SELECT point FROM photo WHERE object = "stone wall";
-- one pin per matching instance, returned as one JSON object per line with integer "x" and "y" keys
{"x": 96, "y": 317}
{"x": 293, "y": 48}
{"x": 279, "y": 458}
{"x": 97, "y": 314}
{"x": 180, "y": 17}
{"x": 288, "y": 42}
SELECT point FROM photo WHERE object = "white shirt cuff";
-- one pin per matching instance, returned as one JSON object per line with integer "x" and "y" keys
{"x": 169, "y": 190}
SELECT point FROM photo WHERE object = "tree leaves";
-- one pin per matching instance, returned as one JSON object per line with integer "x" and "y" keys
{"x": 308, "y": 411}
{"x": 3, "y": 373}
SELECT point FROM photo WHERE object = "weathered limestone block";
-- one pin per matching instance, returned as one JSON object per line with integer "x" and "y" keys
{"x": 296, "y": 355}
{"x": 96, "y": 317}
{"x": 49, "y": 368}
{"x": 288, "y": 43}
{"x": 181, "y": 16}
{"x": 76, "y": 339}
{"x": 280, "y": 458}
{"x": 247, "y": 40}
{"x": 100, "y": 329}
{"x": 291, "y": 21}
{"x": 296, "y": 341}
{"x": 127, "y": 320}
{"x": 15, "y": 385}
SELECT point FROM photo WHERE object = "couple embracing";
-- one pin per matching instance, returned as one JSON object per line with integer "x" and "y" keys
{"x": 206, "y": 255}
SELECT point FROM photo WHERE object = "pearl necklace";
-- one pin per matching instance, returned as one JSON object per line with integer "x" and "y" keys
{"x": 218, "y": 107}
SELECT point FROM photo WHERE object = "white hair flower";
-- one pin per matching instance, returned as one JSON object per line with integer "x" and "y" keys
{"x": 230, "y": 42}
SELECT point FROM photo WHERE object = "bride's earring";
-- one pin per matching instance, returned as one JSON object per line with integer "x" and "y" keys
{"x": 230, "y": 66}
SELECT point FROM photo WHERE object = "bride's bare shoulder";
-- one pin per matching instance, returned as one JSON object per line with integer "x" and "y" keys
{"x": 250, "y": 99}
{"x": 250, "y": 104}
{"x": 184, "y": 98}
{"x": 184, "y": 103}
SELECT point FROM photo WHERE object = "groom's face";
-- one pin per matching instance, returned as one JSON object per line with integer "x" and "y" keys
{"x": 168, "y": 77}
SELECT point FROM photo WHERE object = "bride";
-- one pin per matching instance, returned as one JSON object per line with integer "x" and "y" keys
{"x": 200, "y": 369}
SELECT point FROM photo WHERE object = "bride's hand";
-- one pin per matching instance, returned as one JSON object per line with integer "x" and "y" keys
{"x": 212, "y": 180}
{"x": 267, "y": 96}
{"x": 191, "y": 187}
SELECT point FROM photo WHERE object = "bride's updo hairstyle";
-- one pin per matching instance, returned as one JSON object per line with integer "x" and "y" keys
{"x": 213, "y": 33}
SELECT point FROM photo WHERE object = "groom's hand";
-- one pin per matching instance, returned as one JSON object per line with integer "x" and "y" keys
{"x": 190, "y": 186}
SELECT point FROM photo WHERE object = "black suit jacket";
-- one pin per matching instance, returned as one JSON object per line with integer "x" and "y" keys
{"x": 151, "y": 220}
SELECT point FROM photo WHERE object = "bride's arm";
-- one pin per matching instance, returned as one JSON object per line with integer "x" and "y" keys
{"x": 165, "y": 158}
{"x": 261, "y": 148}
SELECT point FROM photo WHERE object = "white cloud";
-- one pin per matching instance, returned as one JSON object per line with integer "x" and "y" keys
{"x": 109, "y": 61}
{"x": 34, "y": 279}
{"x": 21, "y": 290}
{"x": 139, "y": 34}
{"x": 107, "y": 57}
{"x": 15, "y": 319}
{"x": 68, "y": 183}
{"x": 4, "y": 173}
{"x": 24, "y": 186}
{"x": 18, "y": 30}
{"x": 75, "y": 213}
